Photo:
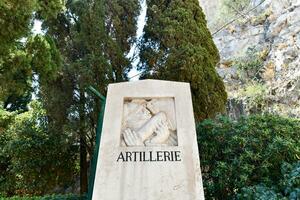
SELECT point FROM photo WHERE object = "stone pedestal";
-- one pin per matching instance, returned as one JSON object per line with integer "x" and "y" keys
{"x": 148, "y": 148}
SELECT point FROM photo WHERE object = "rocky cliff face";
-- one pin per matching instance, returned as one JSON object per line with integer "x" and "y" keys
{"x": 260, "y": 61}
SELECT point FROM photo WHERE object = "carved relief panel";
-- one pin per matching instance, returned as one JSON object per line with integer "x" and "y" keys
{"x": 149, "y": 122}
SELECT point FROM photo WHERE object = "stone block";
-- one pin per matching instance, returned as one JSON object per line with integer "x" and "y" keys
{"x": 148, "y": 148}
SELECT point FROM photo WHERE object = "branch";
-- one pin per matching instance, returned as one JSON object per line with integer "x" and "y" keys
{"x": 233, "y": 20}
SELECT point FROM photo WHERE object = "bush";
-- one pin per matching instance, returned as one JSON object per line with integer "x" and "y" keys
{"x": 288, "y": 188}
{"x": 255, "y": 98}
{"x": 233, "y": 8}
{"x": 261, "y": 192}
{"x": 228, "y": 10}
{"x": 290, "y": 185}
{"x": 49, "y": 197}
{"x": 245, "y": 153}
{"x": 250, "y": 65}
{"x": 33, "y": 160}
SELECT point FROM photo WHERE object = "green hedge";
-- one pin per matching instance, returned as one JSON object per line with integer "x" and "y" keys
{"x": 49, "y": 197}
{"x": 289, "y": 185}
{"x": 251, "y": 155}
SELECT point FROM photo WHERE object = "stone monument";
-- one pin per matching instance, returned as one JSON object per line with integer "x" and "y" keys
{"x": 148, "y": 149}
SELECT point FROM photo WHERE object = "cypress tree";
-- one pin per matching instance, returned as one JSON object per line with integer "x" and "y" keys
{"x": 16, "y": 65}
{"x": 93, "y": 38}
{"x": 177, "y": 45}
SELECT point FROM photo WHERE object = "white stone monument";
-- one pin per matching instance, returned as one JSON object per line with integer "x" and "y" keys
{"x": 148, "y": 148}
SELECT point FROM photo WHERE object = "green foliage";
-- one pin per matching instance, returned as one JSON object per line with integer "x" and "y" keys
{"x": 6, "y": 178}
{"x": 262, "y": 17}
{"x": 289, "y": 186}
{"x": 15, "y": 73}
{"x": 38, "y": 55}
{"x": 45, "y": 57}
{"x": 93, "y": 39}
{"x": 228, "y": 10}
{"x": 248, "y": 153}
{"x": 177, "y": 45}
{"x": 47, "y": 197}
{"x": 15, "y": 22}
{"x": 260, "y": 192}
{"x": 5, "y": 119}
{"x": 250, "y": 65}
{"x": 255, "y": 96}
{"x": 234, "y": 7}
{"x": 16, "y": 67}
{"x": 34, "y": 161}
{"x": 48, "y": 9}
{"x": 18, "y": 103}
{"x": 251, "y": 72}
{"x": 16, "y": 18}
{"x": 84, "y": 43}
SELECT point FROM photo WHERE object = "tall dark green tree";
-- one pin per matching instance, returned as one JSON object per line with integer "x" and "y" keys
{"x": 26, "y": 167}
{"x": 16, "y": 67}
{"x": 93, "y": 38}
{"x": 84, "y": 44}
{"x": 177, "y": 45}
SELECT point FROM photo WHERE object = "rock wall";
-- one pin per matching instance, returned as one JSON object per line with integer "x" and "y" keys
{"x": 273, "y": 30}
{"x": 209, "y": 7}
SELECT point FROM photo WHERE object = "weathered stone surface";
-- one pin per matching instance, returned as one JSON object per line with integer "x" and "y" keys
{"x": 278, "y": 31}
{"x": 210, "y": 8}
{"x": 149, "y": 122}
{"x": 148, "y": 148}
{"x": 235, "y": 44}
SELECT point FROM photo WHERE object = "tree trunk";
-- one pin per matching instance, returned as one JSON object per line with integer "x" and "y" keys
{"x": 83, "y": 149}
{"x": 83, "y": 167}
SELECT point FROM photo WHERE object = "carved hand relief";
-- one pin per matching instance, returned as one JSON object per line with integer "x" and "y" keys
{"x": 149, "y": 122}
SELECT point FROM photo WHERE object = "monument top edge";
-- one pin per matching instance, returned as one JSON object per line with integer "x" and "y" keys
{"x": 148, "y": 81}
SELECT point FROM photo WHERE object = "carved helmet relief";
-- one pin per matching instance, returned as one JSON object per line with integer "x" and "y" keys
{"x": 149, "y": 122}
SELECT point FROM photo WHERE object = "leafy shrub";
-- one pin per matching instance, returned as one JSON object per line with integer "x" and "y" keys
{"x": 248, "y": 152}
{"x": 261, "y": 192}
{"x": 49, "y": 197}
{"x": 32, "y": 159}
{"x": 233, "y": 7}
{"x": 255, "y": 98}
{"x": 262, "y": 17}
{"x": 289, "y": 186}
{"x": 228, "y": 10}
{"x": 250, "y": 65}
